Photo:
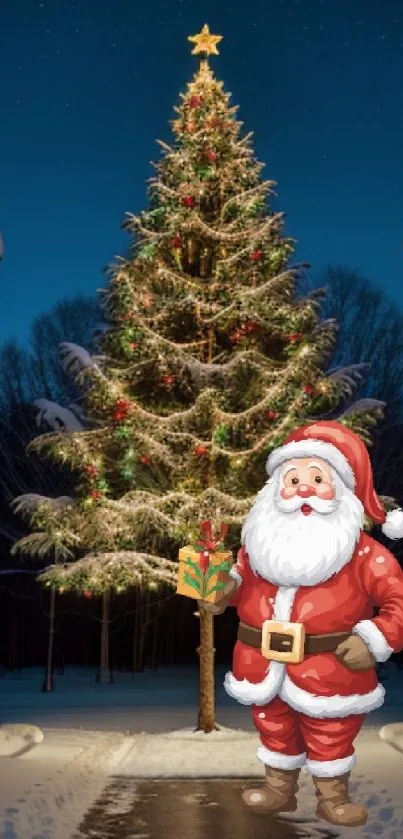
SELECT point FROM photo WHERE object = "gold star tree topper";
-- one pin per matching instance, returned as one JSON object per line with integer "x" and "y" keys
{"x": 205, "y": 42}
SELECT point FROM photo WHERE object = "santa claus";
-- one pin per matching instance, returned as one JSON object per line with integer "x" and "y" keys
{"x": 305, "y": 584}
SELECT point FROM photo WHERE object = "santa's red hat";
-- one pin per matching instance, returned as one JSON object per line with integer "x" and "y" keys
{"x": 348, "y": 456}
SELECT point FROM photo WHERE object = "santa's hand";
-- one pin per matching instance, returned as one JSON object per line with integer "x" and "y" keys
{"x": 220, "y": 606}
{"x": 354, "y": 653}
{"x": 213, "y": 608}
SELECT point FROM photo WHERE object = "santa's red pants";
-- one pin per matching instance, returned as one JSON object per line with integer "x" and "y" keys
{"x": 291, "y": 739}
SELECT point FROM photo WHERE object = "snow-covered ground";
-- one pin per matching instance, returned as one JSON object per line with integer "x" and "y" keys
{"x": 153, "y": 701}
{"x": 131, "y": 728}
{"x": 45, "y": 792}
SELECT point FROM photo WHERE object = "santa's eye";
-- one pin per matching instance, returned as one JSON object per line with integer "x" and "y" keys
{"x": 294, "y": 481}
{"x": 318, "y": 479}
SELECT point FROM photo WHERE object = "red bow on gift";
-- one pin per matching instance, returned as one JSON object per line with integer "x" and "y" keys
{"x": 209, "y": 543}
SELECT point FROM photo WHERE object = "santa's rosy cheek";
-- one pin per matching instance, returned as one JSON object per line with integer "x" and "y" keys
{"x": 288, "y": 492}
{"x": 325, "y": 491}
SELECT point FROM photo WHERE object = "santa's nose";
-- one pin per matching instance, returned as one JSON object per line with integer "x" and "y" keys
{"x": 305, "y": 491}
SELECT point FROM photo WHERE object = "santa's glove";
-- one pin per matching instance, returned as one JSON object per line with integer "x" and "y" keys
{"x": 220, "y": 606}
{"x": 354, "y": 654}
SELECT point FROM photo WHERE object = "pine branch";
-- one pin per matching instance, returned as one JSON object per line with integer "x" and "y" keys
{"x": 262, "y": 188}
{"x": 26, "y": 505}
{"x": 195, "y": 222}
{"x": 40, "y": 545}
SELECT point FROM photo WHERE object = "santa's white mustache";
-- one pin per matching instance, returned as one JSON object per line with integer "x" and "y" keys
{"x": 319, "y": 505}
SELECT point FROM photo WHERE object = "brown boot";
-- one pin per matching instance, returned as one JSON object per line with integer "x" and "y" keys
{"x": 278, "y": 793}
{"x": 334, "y": 804}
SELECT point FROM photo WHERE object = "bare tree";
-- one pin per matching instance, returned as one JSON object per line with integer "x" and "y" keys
{"x": 75, "y": 320}
{"x": 370, "y": 331}
{"x": 33, "y": 384}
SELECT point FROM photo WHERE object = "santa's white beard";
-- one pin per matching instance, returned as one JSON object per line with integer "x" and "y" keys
{"x": 291, "y": 549}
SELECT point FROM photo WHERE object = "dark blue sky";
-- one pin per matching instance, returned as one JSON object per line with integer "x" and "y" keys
{"x": 87, "y": 87}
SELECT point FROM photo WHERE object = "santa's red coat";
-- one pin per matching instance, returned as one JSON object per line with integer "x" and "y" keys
{"x": 321, "y": 686}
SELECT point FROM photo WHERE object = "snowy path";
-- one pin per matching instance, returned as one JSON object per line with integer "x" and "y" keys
{"x": 45, "y": 792}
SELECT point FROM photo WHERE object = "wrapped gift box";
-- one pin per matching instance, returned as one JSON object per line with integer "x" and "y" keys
{"x": 204, "y": 567}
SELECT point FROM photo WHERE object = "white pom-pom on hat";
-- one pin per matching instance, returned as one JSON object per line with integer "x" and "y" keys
{"x": 393, "y": 526}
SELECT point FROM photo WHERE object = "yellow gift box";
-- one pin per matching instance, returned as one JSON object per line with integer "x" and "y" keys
{"x": 204, "y": 568}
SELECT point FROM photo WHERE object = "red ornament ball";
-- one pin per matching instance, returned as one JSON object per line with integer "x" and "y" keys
{"x": 195, "y": 101}
{"x": 121, "y": 410}
{"x": 91, "y": 471}
{"x": 271, "y": 415}
{"x": 168, "y": 380}
{"x": 176, "y": 242}
{"x": 188, "y": 200}
{"x": 308, "y": 389}
{"x": 144, "y": 459}
{"x": 87, "y": 594}
{"x": 201, "y": 450}
{"x": 211, "y": 155}
{"x": 256, "y": 255}
{"x": 96, "y": 494}
{"x": 294, "y": 337}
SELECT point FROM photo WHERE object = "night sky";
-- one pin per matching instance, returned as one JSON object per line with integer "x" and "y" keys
{"x": 88, "y": 87}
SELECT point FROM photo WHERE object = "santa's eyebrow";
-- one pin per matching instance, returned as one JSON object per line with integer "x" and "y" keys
{"x": 288, "y": 469}
{"x": 316, "y": 466}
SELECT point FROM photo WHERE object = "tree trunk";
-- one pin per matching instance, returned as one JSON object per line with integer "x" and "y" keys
{"x": 154, "y": 645}
{"x": 104, "y": 675}
{"x": 48, "y": 682}
{"x": 206, "y": 720}
{"x": 14, "y": 638}
{"x": 145, "y": 620}
{"x": 136, "y": 662}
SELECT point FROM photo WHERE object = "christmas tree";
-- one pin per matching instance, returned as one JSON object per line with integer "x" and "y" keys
{"x": 211, "y": 359}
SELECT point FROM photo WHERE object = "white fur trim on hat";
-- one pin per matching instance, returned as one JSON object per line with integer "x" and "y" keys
{"x": 277, "y": 760}
{"x": 393, "y": 527}
{"x": 313, "y": 448}
{"x": 331, "y": 768}
{"x": 370, "y": 633}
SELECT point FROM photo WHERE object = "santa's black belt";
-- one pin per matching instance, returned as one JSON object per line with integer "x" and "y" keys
{"x": 287, "y": 642}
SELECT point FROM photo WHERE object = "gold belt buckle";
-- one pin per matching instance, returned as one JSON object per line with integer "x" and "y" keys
{"x": 294, "y": 643}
